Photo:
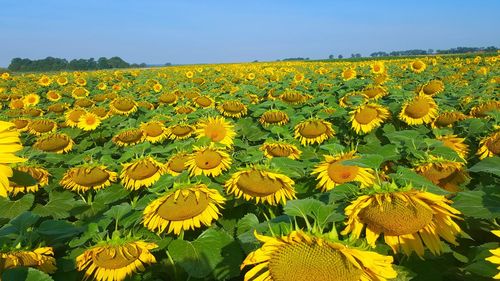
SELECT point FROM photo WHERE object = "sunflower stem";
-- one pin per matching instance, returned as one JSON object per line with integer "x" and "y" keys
{"x": 171, "y": 260}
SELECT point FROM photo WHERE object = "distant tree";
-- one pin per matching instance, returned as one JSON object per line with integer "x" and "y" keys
{"x": 168, "y": 64}
{"x": 331, "y": 57}
{"x": 340, "y": 56}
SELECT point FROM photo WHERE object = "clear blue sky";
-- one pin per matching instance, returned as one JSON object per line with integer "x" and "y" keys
{"x": 207, "y": 31}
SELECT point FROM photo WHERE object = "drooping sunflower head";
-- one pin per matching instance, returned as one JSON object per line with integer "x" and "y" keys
{"x": 79, "y": 93}
{"x": 21, "y": 124}
{"x": 73, "y": 116}
{"x": 489, "y": 146}
{"x": 367, "y": 117}
{"x": 274, "y": 117}
{"x": 41, "y": 258}
{"x": 123, "y": 106}
{"x": 177, "y": 163}
{"x": 167, "y": 98}
{"x": 115, "y": 260}
{"x": 280, "y": 149}
{"x": 331, "y": 172}
{"x": 301, "y": 256}
{"x": 455, "y": 143}
{"x": 37, "y": 172}
{"x": 217, "y": 129}
{"x": 420, "y": 110}
{"x": 446, "y": 174}
{"x": 101, "y": 112}
{"x": 204, "y": 101}
{"x": 294, "y": 97}
{"x": 313, "y": 131}
{"x": 418, "y": 66}
{"x": 261, "y": 185}
{"x": 154, "y": 131}
{"x": 407, "y": 218}
{"x": 129, "y": 137}
{"x": 374, "y": 92}
{"x": 208, "y": 160}
{"x": 431, "y": 88}
{"x": 57, "y": 143}
{"x": 58, "y": 108}
{"x": 447, "y": 119}
{"x": 187, "y": 207}
{"x": 87, "y": 177}
{"x": 180, "y": 131}
{"x": 89, "y": 121}
{"x": 233, "y": 108}
{"x": 142, "y": 172}
{"x": 41, "y": 127}
{"x": 83, "y": 102}
{"x": 483, "y": 109}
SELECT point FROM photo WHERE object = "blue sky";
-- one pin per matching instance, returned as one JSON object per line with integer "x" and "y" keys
{"x": 208, "y": 31}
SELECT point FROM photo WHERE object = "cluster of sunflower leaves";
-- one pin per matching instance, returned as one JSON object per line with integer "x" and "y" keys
{"x": 346, "y": 170}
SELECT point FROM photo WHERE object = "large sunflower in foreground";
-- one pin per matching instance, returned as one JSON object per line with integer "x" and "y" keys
{"x": 142, "y": 172}
{"x": 115, "y": 260}
{"x": 496, "y": 255}
{"x": 280, "y": 149}
{"x": 313, "y": 131}
{"x": 489, "y": 146}
{"x": 208, "y": 160}
{"x": 187, "y": 207}
{"x": 217, "y": 129}
{"x": 9, "y": 145}
{"x": 300, "y": 256}
{"x": 56, "y": 143}
{"x": 41, "y": 258}
{"x": 87, "y": 177}
{"x": 407, "y": 218}
{"x": 331, "y": 172}
{"x": 367, "y": 117}
{"x": 261, "y": 185}
{"x": 420, "y": 110}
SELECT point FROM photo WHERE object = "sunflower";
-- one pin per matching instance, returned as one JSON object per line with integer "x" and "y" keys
{"x": 58, "y": 108}
{"x": 57, "y": 143}
{"x": 489, "y": 146}
{"x": 142, "y": 172}
{"x": 418, "y": 66}
{"x": 331, "y": 172}
{"x": 41, "y": 258}
{"x": 378, "y": 67}
{"x": 495, "y": 259}
{"x": 443, "y": 173}
{"x": 204, "y": 101}
{"x": 374, "y": 92}
{"x": 42, "y": 126}
{"x": 348, "y": 74}
{"x": 62, "y": 80}
{"x": 180, "y": 131}
{"x": 9, "y": 145}
{"x": 313, "y": 131}
{"x": 420, "y": 110}
{"x": 123, "y": 106}
{"x": 217, "y": 129}
{"x": 73, "y": 116}
{"x": 33, "y": 112}
{"x": 274, "y": 117}
{"x": 38, "y": 173}
{"x": 83, "y": 102}
{"x": 184, "y": 109}
{"x": 157, "y": 87}
{"x": 101, "y": 112}
{"x": 115, "y": 260}
{"x": 79, "y": 92}
{"x": 177, "y": 163}
{"x": 208, "y": 160}
{"x": 21, "y": 124}
{"x": 167, "y": 98}
{"x": 31, "y": 100}
{"x": 261, "y": 185}
{"x": 300, "y": 256}
{"x": 233, "y": 108}
{"x": 44, "y": 81}
{"x": 89, "y": 121}
{"x": 146, "y": 105}
{"x": 406, "y": 218}
{"x": 367, "y": 117}
{"x": 129, "y": 137}
{"x": 455, "y": 143}
{"x": 447, "y": 119}
{"x": 87, "y": 177}
{"x": 154, "y": 131}
{"x": 280, "y": 149}
{"x": 187, "y": 207}
{"x": 483, "y": 109}
{"x": 294, "y": 98}
{"x": 432, "y": 88}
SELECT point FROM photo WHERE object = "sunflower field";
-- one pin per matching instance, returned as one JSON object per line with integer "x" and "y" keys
{"x": 328, "y": 170}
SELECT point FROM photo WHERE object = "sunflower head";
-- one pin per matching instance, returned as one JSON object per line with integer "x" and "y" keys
{"x": 89, "y": 121}
{"x": 443, "y": 173}
{"x": 274, "y": 117}
{"x": 313, "y": 131}
{"x": 180, "y": 131}
{"x": 41, "y": 127}
{"x": 154, "y": 131}
{"x": 407, "y": 218}
{"x": 431, "y": 88}
{"x": 447, "y": 119}
{"x": 302, "y": 256}
{"x": 41, "y": 258}
{"x": 233, "y": 108}
{"x": 184, "y": 208}
{"x": 367, "y": 117}
{"x": 261, "y": 185}
{"x": 177, "y": 163}
{"x": 38, "y": 173}
{"x": 418, "y": 66}
{"x": 57, "y": 143}
{"x": 88, "y": 177}
{"x": 280, "y": 149}
{"x": 123, "y": 106}
{"x": 489, "y": 146}
{"x": 129, "y": 137}
{"x": 142, "y": 172}
{"x": 217, "y": 129}
{"x": 73, "y": 116}
{"x": 420, "y": 110}
{"x": 208, "y": 160}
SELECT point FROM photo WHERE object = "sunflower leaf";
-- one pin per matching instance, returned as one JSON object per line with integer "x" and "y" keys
{"x": 11, "y": 209}
{"x": 489, "y": 165}
{"x": 22, "y": 178}
{"x": 26, "y": 274}
{"x": 478, "y": 204}
{"x": 58, "y": 207}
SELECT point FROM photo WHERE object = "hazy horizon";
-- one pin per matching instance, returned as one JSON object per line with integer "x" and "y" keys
{"x": 187, "y": 32}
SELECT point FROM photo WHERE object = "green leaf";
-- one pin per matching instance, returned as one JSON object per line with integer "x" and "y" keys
{"x": 26, "y": 274}
{"x": 247, "y": 223}
{"x": 11, "y": 209}
{"x": 22, "y": 178}
{"x": 213, "y": 253}
{"x": 302, "y": 207}
{"x": 478, "y": 204}
{"x": 372, "y": 161}
{"x": 290, "y": 167}
{"x": 111, "y": 194}
{"x": 55, "y": 231}
{"x": 488, "y": 165}
{"x": 58, "y": 207}
{"x": 118, "y": 211}
{"x": 406, "y": 176}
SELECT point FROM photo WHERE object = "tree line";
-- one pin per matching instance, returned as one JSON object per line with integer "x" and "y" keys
{"x": 417, "y": 52}
{"x": 58, "y": 64}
